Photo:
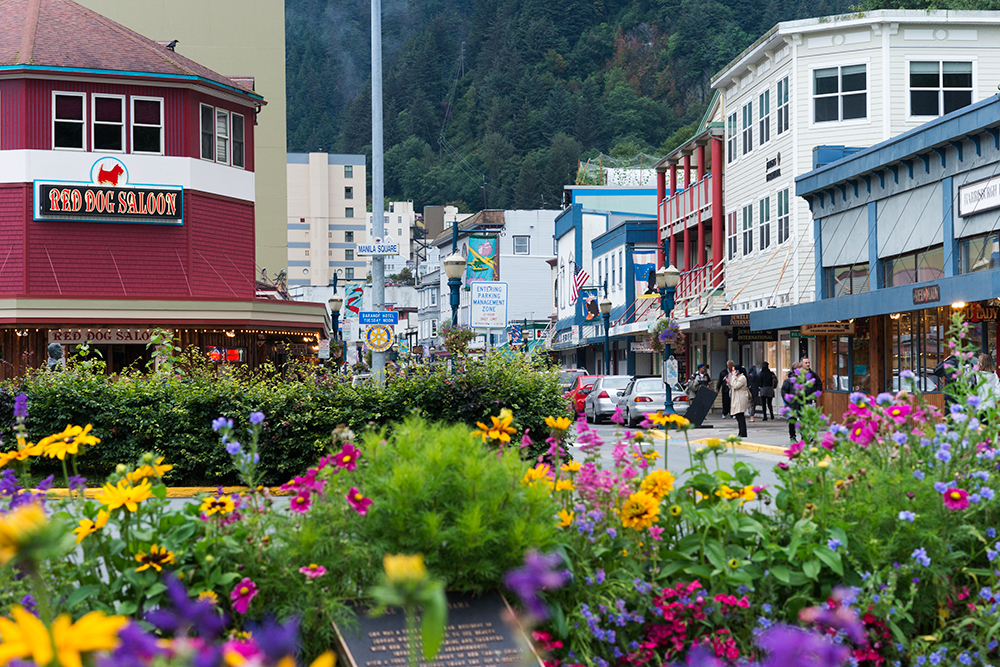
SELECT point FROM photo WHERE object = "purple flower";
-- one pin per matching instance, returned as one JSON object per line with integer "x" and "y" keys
{"x": 221, "y": 422}
{"x": 787, "y": 645}
{"x": 200, "y": 616}
{"x": 940, "y": 487}
{"x": 256, "y": 417}
{"x": 77, "y": 482}
{"x": 833, "y": 543}
{"x": 28, "y": 602}
{"x": 137, "y": 648}
{"x": 918, "y": 474}
{"x": 907, "y": 515}
{"x": 46, "y": 483}
{"x": 920, "y": 555}
{"x": 276, "y": 640}
{"x": 233, "y": 448}
{"x": 536, "y": 575}
{"x": 21, "y": 406}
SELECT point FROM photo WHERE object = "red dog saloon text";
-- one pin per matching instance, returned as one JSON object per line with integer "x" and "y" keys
{"x": 110, "y": 202}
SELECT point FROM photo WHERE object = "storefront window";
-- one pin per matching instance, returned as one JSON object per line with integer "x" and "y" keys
{"x": 914, "y": 267}
{"x": 980, "y": 253}
{"x": 915, "y": 341}
{"x": 840, "y": 356}
{"x": 861, "y": 368}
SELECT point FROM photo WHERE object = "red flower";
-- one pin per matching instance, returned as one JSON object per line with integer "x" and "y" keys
{"x": 301, "y": 503}
{"x": 955, "y": 499}
{"x": 358, "y": 501}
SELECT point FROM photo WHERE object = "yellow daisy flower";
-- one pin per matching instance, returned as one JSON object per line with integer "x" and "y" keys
{"x": 124, "y": 495}
{"x": 221, "y": 505}
{"x": 640, "y": 511}
{"x": 402, "y": 569}
{"x": 155, "y": 470}
{"x": 156, "y": 558}
{"x": 658, "y": 483}
{"x": 500, "y": 428}
{"x": 572, "y": 466}
{"x": 564, "y": 485}
{"x": 558, "y": 423}
{"x": 566, "y": 518}
{"x": 17, "y": 528}
{"x": 88, "y": 527}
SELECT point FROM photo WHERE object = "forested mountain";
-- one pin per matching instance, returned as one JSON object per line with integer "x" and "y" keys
{"x": 490, "y": 103}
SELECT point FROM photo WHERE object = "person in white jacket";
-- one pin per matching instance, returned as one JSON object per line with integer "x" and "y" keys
{"x": 988, "y": 383}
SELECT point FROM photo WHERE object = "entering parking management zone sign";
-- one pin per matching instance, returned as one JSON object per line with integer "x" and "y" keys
{"x": 488, "y": 305}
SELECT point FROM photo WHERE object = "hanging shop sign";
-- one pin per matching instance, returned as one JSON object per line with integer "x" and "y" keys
{"x": 828, "y": 329}
{"x": 108, "y": 197}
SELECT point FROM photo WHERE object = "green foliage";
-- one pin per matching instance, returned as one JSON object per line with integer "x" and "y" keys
{"x": 172, "y": 414}
{"x": 461, "y": 506}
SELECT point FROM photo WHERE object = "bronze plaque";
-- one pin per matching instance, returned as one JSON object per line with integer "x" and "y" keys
{"x": 476, "y": 635}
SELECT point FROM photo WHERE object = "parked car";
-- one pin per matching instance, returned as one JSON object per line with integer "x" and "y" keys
{"x": 578, "y": 391}
{"x": 644, "y": 395}
{"x": 603, "y": 397}
{"x": 567, "y": 376}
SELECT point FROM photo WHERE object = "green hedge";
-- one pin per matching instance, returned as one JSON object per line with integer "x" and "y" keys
{"x": 172, "y": 416}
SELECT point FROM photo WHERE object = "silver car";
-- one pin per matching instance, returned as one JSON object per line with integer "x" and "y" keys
{"x": 603, "y": 397}
{"x": 644, "y": 395}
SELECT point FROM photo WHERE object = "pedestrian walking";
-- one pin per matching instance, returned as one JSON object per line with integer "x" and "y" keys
{"x": 812, "y": 381}
{"x": 790, "y": 395}
{"x": 988, "y": 383}
{"x": 723, "y": 387}
{"x": 739, "y": 397}
{"x": 753, "y": 384}
{"x": 701, "y": 378}
{"x": 768, "y": 383}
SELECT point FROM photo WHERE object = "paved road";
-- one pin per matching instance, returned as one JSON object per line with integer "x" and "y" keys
{"x": 769, "y": 433}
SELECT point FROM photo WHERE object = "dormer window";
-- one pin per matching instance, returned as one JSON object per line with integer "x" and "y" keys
{"x": 69, "y": 119}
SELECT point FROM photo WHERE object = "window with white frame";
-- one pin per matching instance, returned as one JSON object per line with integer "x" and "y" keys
{"x": 147, "y": 125}
{"x": 939, "y": 87}
{"x": 840, "y": 93}
{"x": 349, "y": 273}
{"x": 68, "y": 120}
{"x": 598, "y": 272}
{"x": 238, "y": 140}
{"x": 349, "y": 255}
{"x": 348, "y": 171}
{"x": 614, "y": 283}
{"x": 434, "y": 297}
{"x": 731, "y": 234}
{"x": 207, "y": 132}
{"x": 349, "y": 212}
{"x": 733, "y": 135}
{"x": 108, "y": 130}
{"x": 434, "y": 327}
{"x": 349, "y": 193}
{"x": 522, "y": 245}
{"x": 621, "y": 267}
{"x": 221, "y": 136}
{"x": 783, "y": 217}
{"x": 781, "y": 102}
{"x": 747, "y": 229}
{"x": 764, "y": 117}
{"x": 747, "y": 127}
{"x": 764, "y": 222}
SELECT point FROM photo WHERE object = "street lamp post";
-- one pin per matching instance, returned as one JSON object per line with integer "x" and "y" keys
{"x": 667, "y": 279}
{"x": 454, "y": 267}
{"x": 336, "y": 303}
{"x": 605, "y": 307}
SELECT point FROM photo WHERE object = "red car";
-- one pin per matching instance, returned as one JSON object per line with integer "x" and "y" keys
{"x": 579, "y": 389}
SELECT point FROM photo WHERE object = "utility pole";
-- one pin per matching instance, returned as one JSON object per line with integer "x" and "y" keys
{"x": 378, "y": 180}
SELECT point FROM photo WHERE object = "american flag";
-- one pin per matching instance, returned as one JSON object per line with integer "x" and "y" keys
{"x": 580, "y": 278}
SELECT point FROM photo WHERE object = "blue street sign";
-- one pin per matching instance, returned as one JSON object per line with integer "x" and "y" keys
{"x": 378, "y": 317}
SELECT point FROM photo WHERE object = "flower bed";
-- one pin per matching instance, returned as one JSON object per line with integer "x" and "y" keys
{"x": 879, "y": 546}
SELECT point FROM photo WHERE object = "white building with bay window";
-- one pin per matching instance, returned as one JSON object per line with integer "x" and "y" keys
{"x": 805, "y": 91}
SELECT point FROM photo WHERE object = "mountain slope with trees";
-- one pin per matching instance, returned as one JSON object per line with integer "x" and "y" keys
{"x": 491, "y": 103}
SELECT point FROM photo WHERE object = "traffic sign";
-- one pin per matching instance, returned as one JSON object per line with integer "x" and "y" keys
{"x": 379, "y": 337}
{"x": 378, "y": 317}
{"x": 489, "y": 305}
{"x": 324, "y": 349}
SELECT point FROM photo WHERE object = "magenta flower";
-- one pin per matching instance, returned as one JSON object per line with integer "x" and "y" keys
{"x": 525, "y": 440}
{"x": 656, "y": 533}
{"x": 358, "y": 501}
{"x": 795, "y": 449}
{"x": 618, "y": 416}
{"x": 862, "y": 432}
{"x": 301, "y": 503}
{"x": 898, "y": 413}
{"x": 313, "y": 571}
{"x": 829, "y": 441}
{"x": 347, "y": 458}
{"x": 955, "y": 499}
{"x": 241, "y": 596}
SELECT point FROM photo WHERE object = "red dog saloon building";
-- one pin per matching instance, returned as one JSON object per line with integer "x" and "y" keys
{"x": 127, "y": 198}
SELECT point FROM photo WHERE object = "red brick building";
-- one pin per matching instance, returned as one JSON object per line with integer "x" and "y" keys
{"x": 126, "y": 196}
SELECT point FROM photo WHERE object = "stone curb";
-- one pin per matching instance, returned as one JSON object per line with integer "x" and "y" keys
{"x": 749, "y": 446}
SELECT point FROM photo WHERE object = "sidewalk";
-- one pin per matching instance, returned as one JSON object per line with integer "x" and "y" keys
{"x": 769, "y": 437}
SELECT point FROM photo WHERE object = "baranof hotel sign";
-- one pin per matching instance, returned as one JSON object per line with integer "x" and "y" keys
{"x": 978, "y": 197}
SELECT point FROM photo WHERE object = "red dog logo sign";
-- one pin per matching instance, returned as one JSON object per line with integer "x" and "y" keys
{"x": 109, "y": 176}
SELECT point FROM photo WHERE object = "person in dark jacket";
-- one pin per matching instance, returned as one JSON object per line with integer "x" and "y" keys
{"x": 723, "y": 387}
{"x": 790, "y": 396}
{"x": 753, "y": 384}
{"x": 768, "y": 383}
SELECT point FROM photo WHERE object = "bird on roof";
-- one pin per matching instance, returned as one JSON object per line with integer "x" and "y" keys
{"x": 171, "y": 44}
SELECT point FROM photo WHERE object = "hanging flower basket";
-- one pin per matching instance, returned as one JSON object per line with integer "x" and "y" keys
{"x": 665, "y": 332}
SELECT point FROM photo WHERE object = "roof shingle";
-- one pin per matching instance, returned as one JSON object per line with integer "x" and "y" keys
{"x": 62, "y": 33}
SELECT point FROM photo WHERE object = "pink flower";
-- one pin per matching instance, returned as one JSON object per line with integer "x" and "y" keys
{"x": 301, "y": 503}
{"x": 656, "y": 532}
{"x": 525, "y": 440}
{"x": 795, "y": 449}
{"x": 313, "y": 571}
{"x": 347, "y": 458}
{"x": 241, "y": 596}
{"x": 358, "y": 501}
{"x": 955, "y": 499}
{"x": 618, "y": 416}
{"x": 325, "y": 461}
{"x": 898, "y": 413}
{"x": 862, "y": 432}
{"x": 829, "y": 441}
